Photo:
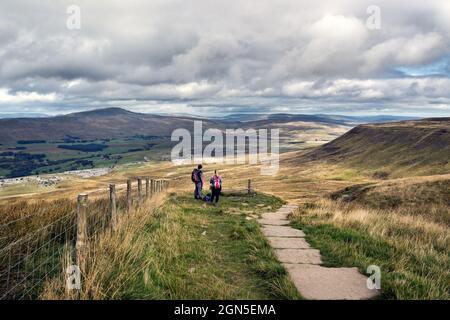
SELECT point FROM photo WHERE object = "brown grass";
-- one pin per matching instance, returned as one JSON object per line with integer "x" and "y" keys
{"x": 120, "y": 248}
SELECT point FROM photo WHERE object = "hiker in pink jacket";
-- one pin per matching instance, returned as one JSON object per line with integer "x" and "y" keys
{"x": 216, "y": 187}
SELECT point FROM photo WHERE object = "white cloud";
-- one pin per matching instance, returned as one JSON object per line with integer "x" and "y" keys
{"x": 23, "y": 97}
{"x": 399, "y": 89}
{"x": 420, "y": 49}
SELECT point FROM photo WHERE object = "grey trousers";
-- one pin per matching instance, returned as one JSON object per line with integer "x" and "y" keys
{"x": 198, "y": 190}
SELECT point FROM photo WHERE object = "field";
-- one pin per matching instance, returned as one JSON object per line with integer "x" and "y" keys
{"x": 42, "y": 157}
{"x": 32, "y": 157}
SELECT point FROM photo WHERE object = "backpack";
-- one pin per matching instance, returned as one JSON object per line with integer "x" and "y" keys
{"x": 216, "y": 182}
{"x": 194, "y": 175}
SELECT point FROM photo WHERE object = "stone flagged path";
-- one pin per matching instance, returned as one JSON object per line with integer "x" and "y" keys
{"x": 281, "y": 231}
{"x": 274, "y": 222}
{"x": 288, "y": 243}
{"x": 303, "y": 263}
{"x": 310, "y": 256}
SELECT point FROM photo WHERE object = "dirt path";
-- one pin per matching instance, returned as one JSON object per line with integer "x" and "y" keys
{"x": 303, "y": 263}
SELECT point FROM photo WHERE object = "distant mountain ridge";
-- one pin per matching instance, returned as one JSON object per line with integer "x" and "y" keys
{"x": 118, "y": 122}
{"x": 100, "y": 123}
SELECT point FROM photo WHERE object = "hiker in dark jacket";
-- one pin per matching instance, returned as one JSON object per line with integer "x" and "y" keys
{"x": 216, "y": 186}
{"x": 197, "y": 179}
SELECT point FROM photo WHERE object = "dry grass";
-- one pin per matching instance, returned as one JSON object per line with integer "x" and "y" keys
{"x": 110, "y": 258}
{"x": 427, "y": 197}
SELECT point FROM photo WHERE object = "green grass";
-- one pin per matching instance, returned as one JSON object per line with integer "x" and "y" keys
{"x": 344, "y": 175}
{"x": 198, "y": 251}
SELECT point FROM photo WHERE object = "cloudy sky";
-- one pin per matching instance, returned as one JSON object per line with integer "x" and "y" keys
{"x": 217, "y": 57}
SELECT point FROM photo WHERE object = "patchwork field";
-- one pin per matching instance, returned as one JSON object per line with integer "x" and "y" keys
{"x": 42, "y": 157}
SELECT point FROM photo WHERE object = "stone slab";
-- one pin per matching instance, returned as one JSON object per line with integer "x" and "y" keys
{"x": 290, "y": 207}
{"x": 320, "y": 283}
{"x": 281, "y": 231}
{"x": 304, "y": 256}
{"x": 284, "y": 210}
{"x": 274, "y": 222}
{"x": 288, "y": 243}
{"x": 274, "y": 215}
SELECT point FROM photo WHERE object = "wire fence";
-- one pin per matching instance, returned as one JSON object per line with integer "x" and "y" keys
{"x": 39, "y": 240}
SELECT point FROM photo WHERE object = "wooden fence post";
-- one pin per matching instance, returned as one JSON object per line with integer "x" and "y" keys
{"x": 147, "y": 187}
{"x": 81, "y": 243}
{"x": 152, "y": 184}
{"x": 249, "y": 187}
{"x": 128, "y": 195}
{"x": 112, "y": 206}
{"x": 139, "y": 189}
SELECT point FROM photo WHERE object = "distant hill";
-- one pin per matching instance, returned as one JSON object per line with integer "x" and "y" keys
{"x": 117, "y": 122}
{"x": 395, "y": 148}
{"x": 101, "y": 123}
{"x": 106, "y": 137}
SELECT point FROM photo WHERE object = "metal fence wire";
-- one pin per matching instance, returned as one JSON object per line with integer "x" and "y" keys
{"x": 37, "y": 239}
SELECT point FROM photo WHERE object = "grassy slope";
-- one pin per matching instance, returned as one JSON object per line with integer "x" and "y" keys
{"x": 427, "y": 197}
{"x": 188, "y": 250}
{"x": 398, "y": 149}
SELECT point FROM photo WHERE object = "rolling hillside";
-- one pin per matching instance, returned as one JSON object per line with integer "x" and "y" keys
{"x": 106, "y": 137}
{"x": 99, "y": 124}
{"x": 392, "y": 149}
{"x": 118, "y": 123}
